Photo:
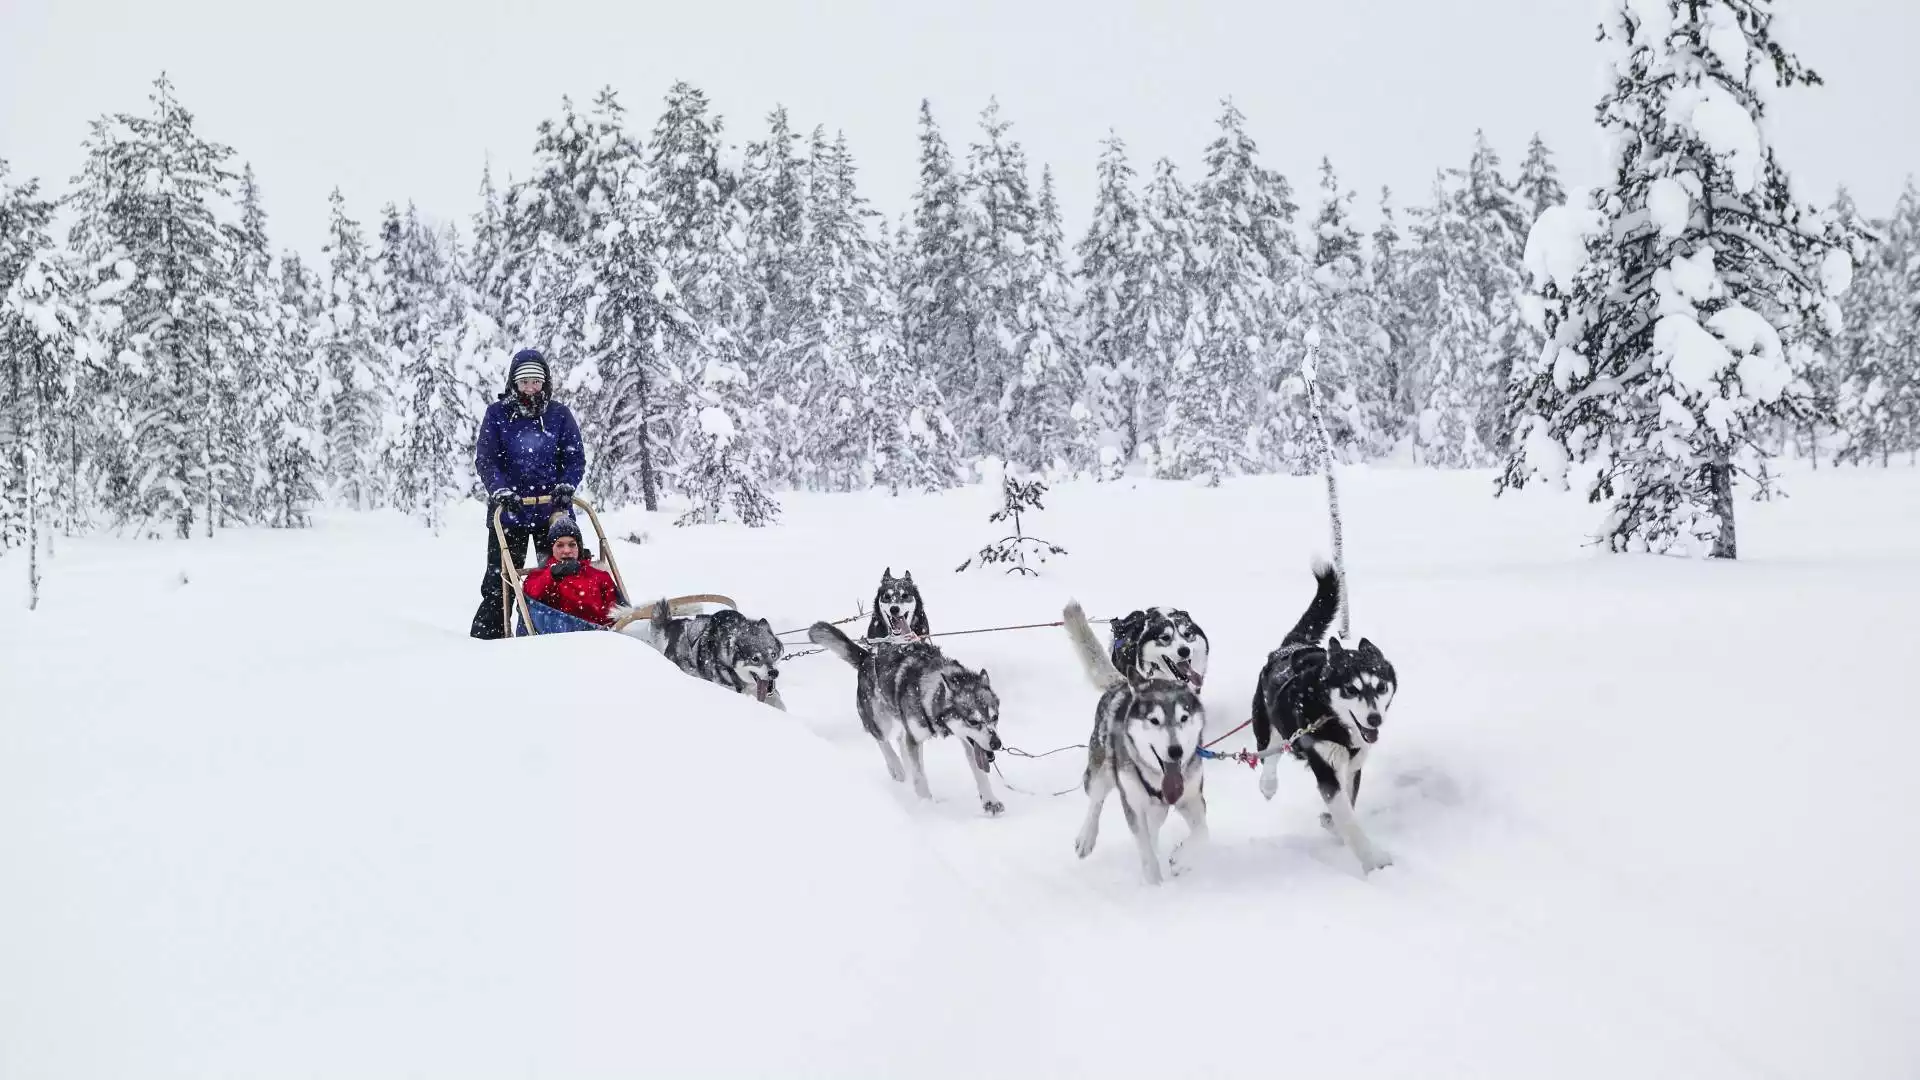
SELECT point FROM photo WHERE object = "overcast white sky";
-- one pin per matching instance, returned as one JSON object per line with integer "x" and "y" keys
{"x": 399, "y": 99}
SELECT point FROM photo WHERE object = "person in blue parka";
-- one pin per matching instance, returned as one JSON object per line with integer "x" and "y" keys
{"x": 529, "y": 447}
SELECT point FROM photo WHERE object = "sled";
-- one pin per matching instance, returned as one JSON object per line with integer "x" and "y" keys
{"x": 537, "y": 618}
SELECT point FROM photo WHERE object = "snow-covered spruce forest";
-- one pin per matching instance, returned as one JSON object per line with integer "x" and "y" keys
{"x": 730, "y": 319}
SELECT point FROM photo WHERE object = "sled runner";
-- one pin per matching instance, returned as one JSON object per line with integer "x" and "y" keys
{"x": 538, "y": 618}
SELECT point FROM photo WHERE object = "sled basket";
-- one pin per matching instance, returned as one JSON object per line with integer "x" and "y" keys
{"x": 537, "y": 618}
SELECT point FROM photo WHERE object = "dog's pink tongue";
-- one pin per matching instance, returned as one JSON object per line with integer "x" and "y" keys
{"x": 1173, "y": 785}
{"x": 761, "y": 688}
{"x": 897, "y": 625}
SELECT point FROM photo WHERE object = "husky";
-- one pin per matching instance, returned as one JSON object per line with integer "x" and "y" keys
{"x": 898, "y": 609}
{"x": 911, "y": 692}
{"x": 725, "y": 648}
{"x": 1145, "y": 744}
{"x": 1160, "y": 643}
{"x": 1328, "y": 704}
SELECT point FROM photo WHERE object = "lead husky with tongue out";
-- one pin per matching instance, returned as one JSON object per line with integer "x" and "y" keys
{"x": 910, "y": 692}
{"x": 1145, "y": 744}
{"x": 725, "y": 647}
{"x": 898, "y": 609}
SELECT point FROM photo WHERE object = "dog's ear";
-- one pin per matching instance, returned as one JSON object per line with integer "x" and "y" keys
{"x": 983, "y": 678}
{"x": 886, "y": 575}
{"x": 1334, "y": 648}
{"x": 908, "y": 576}
{"x": 1369, "y": 650}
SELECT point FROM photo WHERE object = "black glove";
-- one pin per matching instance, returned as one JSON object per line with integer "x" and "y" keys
{"x": 563, "y": 497}
{"x": 565, "y": 568}
{"x": 505, "y": 499}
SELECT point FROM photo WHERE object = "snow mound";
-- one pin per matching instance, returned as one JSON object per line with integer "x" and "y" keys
{"x": 460, "y": 858}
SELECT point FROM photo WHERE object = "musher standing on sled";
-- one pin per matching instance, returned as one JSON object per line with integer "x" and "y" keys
{"x": 529, "y": 448}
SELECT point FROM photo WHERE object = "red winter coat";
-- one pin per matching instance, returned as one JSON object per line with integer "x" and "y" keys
{"x": 588, "y": 594}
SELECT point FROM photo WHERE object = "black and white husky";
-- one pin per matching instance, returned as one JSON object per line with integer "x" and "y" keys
{"x": 898, "y": 608}
{"x": 913, "y": 694}
{"x": 725, "y": 647}
{"x": 1145, "y": 745}
{"x": 1328, "y": 703}
{"x": 1160, "y": 643}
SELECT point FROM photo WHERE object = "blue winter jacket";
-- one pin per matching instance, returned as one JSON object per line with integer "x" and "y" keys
{"x": 530, "y": 454}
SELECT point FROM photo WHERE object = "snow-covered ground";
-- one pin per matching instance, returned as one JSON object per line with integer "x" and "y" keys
{"x": 266, "y": 811}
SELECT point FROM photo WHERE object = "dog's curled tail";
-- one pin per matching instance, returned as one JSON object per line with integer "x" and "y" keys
{"x": 1313, "y": 624}
{"x": 1093, "y": 658}
{"x": 661, "y": 620}
{"x": 829, "y": 637}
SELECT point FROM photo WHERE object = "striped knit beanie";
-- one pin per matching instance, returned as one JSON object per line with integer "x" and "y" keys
{"x": 529, "y": 364}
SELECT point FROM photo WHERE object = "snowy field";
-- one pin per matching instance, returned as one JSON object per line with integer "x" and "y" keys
{"x": 265, "y": 811}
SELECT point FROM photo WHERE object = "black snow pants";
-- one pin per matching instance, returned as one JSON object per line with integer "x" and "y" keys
{"x": 487, "y": 621}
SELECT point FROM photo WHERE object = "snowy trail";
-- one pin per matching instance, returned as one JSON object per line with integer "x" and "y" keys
{"x": 286, "y": 818}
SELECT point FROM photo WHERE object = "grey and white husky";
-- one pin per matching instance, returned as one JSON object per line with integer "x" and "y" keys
{"x": 1145, "y": 745}
{"x": 899, "y": 611}
{"x": 1160, "y": 643}
{"x": 911, "y": 693}
{"x": 1328, "y": 703}
{"x": 724, "y": 647}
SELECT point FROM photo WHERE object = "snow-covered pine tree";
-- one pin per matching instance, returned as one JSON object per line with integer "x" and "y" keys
{"x": 998, "y": 222}
{"x": 937, "y": 297}
{"x": 483, "y": 270}
{"x": 38, "y": 330}
{"x": 917, "y": 447}
{"x": 1018, "y": 496}
{"x": 1047, "y": 422}
{"x": 547, "y": 220}
{"x": 829, "y": 373}
{"x": 289, "y": 401}
{"x": 774, "y": 194}
{"x": 404, "y": 265}
{"x": 634, "y": 318}
{"x": 1539, "y": 185}
{"x": 719, "y": 472}
{"x": 1903, "y": 389}
{"x": 1113, "y": 318}
{"x": 1338, "y": 310}
{"x": 424, "y": 324}
{"x": 1678, "y": 314}
{"x": 704, "y": 227}
{"x": 1494, "y": 240}
{"x": 166, "y": 185}
{"x": 1456, "y": 357}
{"x": 241, "y": 441}
{"x": 1383, "y": 391}
{"x": 1167, "y": 295}
{"x": 1877, "y": 354}
{"x": 355, "y": 378}
{"x": 1228, "y": 344}
{"x": 97, "y": 476}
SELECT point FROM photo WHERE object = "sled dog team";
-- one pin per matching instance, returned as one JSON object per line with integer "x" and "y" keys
{"x": 1322, "y": 703}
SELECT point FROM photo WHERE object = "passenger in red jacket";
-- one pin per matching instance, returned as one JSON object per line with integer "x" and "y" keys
{"x": 566, "y": 584}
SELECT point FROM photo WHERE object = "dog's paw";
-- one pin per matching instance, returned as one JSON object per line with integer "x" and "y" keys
{"x": 1270, "y": 782}
{"x": 1375, "y": 860}
{"x": 1179, "y": 861}
{"x": 1083, "y": 844}
{"x": 1326, "y": 822}
{"x": 994, "y": 807}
